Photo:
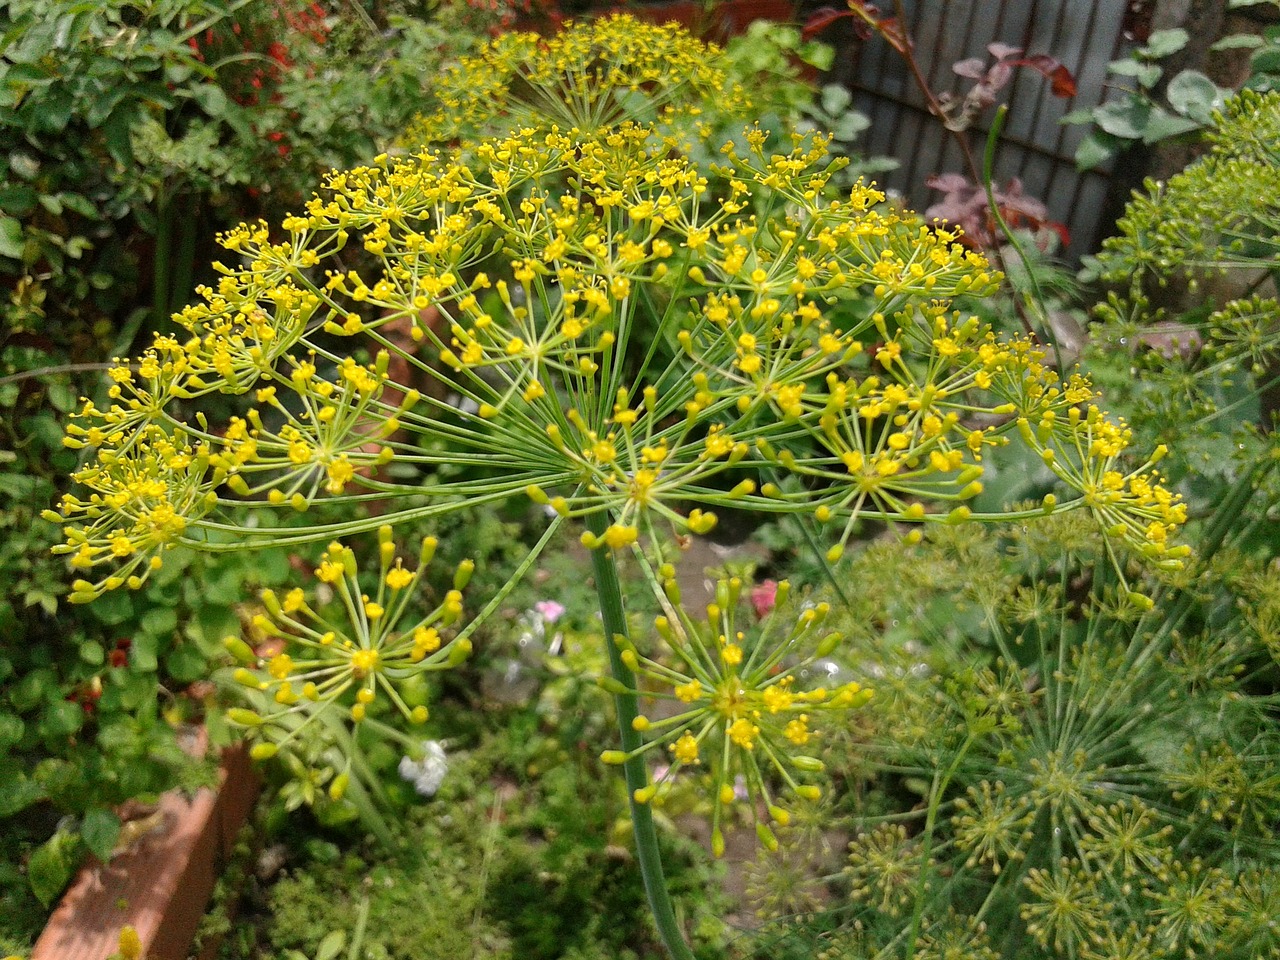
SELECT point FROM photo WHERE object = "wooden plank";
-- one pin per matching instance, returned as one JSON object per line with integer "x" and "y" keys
{"x": 161, "y": 884}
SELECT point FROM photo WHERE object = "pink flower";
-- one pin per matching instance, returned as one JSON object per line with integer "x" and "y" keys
{"x": 763, "y": 597}
{"x": 549, "y": 610}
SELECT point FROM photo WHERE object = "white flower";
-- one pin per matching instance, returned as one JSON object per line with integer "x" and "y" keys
{"x": 426, "y": 774}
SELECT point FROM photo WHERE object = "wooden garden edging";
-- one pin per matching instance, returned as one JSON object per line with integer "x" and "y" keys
{"x": 161, "y": 884}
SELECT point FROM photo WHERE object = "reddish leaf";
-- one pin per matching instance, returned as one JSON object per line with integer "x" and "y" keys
{"x": 1002, "y": 51}
{"x": 893, "y": 31}
{"x": 822, "y": 18}
{"x": 1062, "y": 83}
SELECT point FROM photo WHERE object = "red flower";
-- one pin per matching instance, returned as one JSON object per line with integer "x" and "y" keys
{"x": 763, "y": 597}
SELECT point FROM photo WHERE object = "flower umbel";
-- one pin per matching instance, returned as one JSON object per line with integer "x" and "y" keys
{"x": 326, "y": 671}
{"x": 735, "y": 702}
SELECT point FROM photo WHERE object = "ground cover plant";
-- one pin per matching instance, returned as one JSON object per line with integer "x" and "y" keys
{"x": 630, "y": 335}
{"x": 133, "y": 132}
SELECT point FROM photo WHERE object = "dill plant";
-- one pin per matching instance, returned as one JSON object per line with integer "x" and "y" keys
{"x": 626, "y": 338}
{"x": 1193, "y": 306}
{"x": 1087, "y": 780}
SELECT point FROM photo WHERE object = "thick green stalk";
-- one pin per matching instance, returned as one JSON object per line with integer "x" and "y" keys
{"x": 609, "y": 593}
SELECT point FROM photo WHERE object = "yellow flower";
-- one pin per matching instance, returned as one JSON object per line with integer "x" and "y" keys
{"x": 338, "y": 660}
{"x": 744, "y": 708}
{"x": 686, "y": 748}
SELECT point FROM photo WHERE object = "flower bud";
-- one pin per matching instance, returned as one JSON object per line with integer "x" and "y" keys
{"x": 612, "y": 685}
{"x": 1141, "y": 600}
{"x": 767, "y": 838}
{"x": 459, "y": 650}
{"x": 244, "y": 718}
{"x": 269, "y": 600}
{"x": 239, "y": 649}
{"x": 339, "y": 786}
{"x": 428, "y": 550}
{"x": 462, "y": 576}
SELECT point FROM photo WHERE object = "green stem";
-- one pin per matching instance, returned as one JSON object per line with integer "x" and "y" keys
{"x": 941, "y": 781}
{"x": 162, "y": 263}
{"x": 1036, "y": 298}
{"x": 609, "y": 593}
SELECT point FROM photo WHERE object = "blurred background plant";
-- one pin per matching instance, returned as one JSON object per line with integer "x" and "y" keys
{"x": 1083, "y": 776}
{"x": 132, "y": 133}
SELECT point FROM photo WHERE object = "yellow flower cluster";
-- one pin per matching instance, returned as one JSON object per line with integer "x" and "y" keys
{"x": 612, "y": 330}
{"x": 323, "y": 671}
{"x": 730, "y": 697}
{"x": 593, "y": 234}
{"x": 144, "y": 493}
{"x": 590, "y": 76}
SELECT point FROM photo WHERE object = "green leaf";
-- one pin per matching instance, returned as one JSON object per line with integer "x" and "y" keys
{"x": 92, "y": 653}
{"x": 1238, "y": 41}
{"x": 1083, "y": 115}
{"x": 159, "y": 622}
{"x": 216, "y": 622}
{"x": 112, "y": 608}
{"x": 17, "y": 792}
{"x": 11, "y": 239}
{"x": 116, "y": 133}
{"x": 1266, "y": 60}
{"x": 24, "y": 165}
{"x": 142, "y": 655}
{"x": 1145, "y": 73}
{"x": 186, "y": 663}
{"x": 331, "y": 945}
{"x": 835, "y": 99}
{"x": 101, "y": 107}
{"x": 1095, "y": 149}
{"x": 1164, "y": 124}
{"x": 60, "y": 719}
{"x": 80, "y": 204}
{"x": 211, "y": 99}
{"x": 100, "y": 830}
{"x": 18, "y": 199}
{"x": 51, "y": 865}
{"x": 271, "y": 567}
{"x": 62, "y": 396}
{"x": 1193, "y": 94}
{"x": 36, "y": 686}
{"x": 820, "y": 56}
{"x": 1126, "y": 118}
{"x": 11, "y": 730}
{"x": 1164, "y": 42}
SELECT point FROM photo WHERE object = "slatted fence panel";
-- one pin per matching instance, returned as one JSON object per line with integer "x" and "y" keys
{"x": 1085, "y": 35}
